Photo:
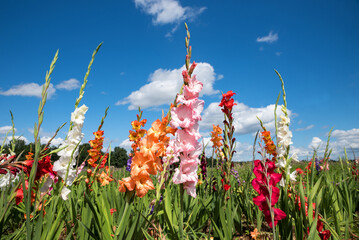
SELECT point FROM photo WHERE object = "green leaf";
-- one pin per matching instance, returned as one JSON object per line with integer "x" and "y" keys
{"x": 88, "y": 230}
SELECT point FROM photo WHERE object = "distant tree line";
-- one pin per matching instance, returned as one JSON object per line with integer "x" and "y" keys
{"x": 118, "y": 159}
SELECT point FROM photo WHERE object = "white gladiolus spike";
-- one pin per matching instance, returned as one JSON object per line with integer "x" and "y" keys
{"x": 7, "y": 179}
{"x": 65, "y": 193}
{"x": 69, "y": 154}
{"x": 295, "y": 157}
{"x": 280, "y": 163}
{"x": 293, "y": 176}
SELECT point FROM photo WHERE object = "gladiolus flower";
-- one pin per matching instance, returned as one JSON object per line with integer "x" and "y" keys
{"x": 112, "y": 210}
{"x": 265, "y": 185}
{"x": 146, "y": 159}
{"x": 69, "y": 154}
{"x": 255, "y": 233}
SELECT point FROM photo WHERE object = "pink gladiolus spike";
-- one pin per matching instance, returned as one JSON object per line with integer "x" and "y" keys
{"x": 185, "y": 75}
{"x": 193, "y": 66}
{"x": 182, "y": 116}
{"x": 197, "y": 109}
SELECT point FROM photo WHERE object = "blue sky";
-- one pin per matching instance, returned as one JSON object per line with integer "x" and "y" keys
{"x": 313, "y": 44}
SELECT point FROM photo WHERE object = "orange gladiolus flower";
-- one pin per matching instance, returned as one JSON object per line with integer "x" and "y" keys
{"x": 270, "y": 146}
{"x": 104, "y": 178}
{"x": 149, "y": 146}
{"x": 142, "y": 166}
{"x": 143, "y": 184}
{"x": 126, "y": 184}
{"x": 255, "y": 233}
{"x": 136, "y": 125}
{"x": 216, "y": 137}
{"x": 146, "y": 159}
{"x": 96, "y": 147}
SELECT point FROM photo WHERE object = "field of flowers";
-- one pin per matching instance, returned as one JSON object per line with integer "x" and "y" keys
{"x": 170, "y": 189}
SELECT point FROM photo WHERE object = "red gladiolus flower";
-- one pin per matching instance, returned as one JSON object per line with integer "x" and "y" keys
{"x": 299, "y": 171}
{"x": 113, "y": 210}
{"x": 325, "y": 235}
{"x": 226, "y": 187}
{"x": 320, "y": 225}
{"x": 227, "y": 102}
{"x": 20, "y": 193}
{"x": 265, "y": 185}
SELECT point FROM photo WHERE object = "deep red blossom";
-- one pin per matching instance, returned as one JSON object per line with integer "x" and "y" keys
{"x": 265, "y": 185}
{"x": 278, "y": 215}
{"x": 20, "y": 193}
{"x": 112, "y": 210}
{"x": 320, "y": 225}
{"x": 44, "y": 166}
{"x": 325, "y": 235}
{"x": 226, "y": 187}
{"x": 299, "y": 171}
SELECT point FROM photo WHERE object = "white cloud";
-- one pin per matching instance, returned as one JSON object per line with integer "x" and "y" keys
{"x": 316, "y": 142}
{"x": 245, "y": 117}
{"x": 6, "y": 129}
{"x": 340, "y": 139}
{"x": 8, "y": 139}
{"x": 270, "y": 38}
{"x": 220, "y": 76}
{"x": 126, "y": 144}
{"x": 69, "y": 85}
{"x": 167, "y": 11}
{"x": 173, "y": 30}
{"x": 244, "y": 150}
{"x": 165, "y": 84}
{"x": 304, "y": 128}
{"x": 278, "y": 53}
{"x": 348, "y": 139}
{"x": 302, "y": 152}
{"x": 55, "y": 142}
{"x": 28, "y": 90}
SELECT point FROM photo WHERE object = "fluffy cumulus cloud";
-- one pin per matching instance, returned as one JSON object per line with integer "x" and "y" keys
{"x": 270, "y": 38}
{"x": 6, "y": 129}
{"x": 69, "y": 85}
{"x": 126, "y": 144}
{"x": 340, "y": 139}
{"x": 245, "y": 117}
{"x": 165, "y": 84}
{"x": 244, "y": 152}
{"x": 303, "y": 153}
{"x": 8, "y": 139}
{"x": 315, "y": 143}
{"x": 28, "y": 90}
{"x": 349, "y": 138}
{"x": 167, "y": 11}
{"x": 55, "y": 142}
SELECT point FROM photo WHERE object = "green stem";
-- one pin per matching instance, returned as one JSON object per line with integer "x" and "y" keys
{"x": 124, "y": 218}
{"x": 180, "y": 220}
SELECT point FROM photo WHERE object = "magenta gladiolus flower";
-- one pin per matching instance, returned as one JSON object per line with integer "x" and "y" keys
{"x": 265, "y": 185}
